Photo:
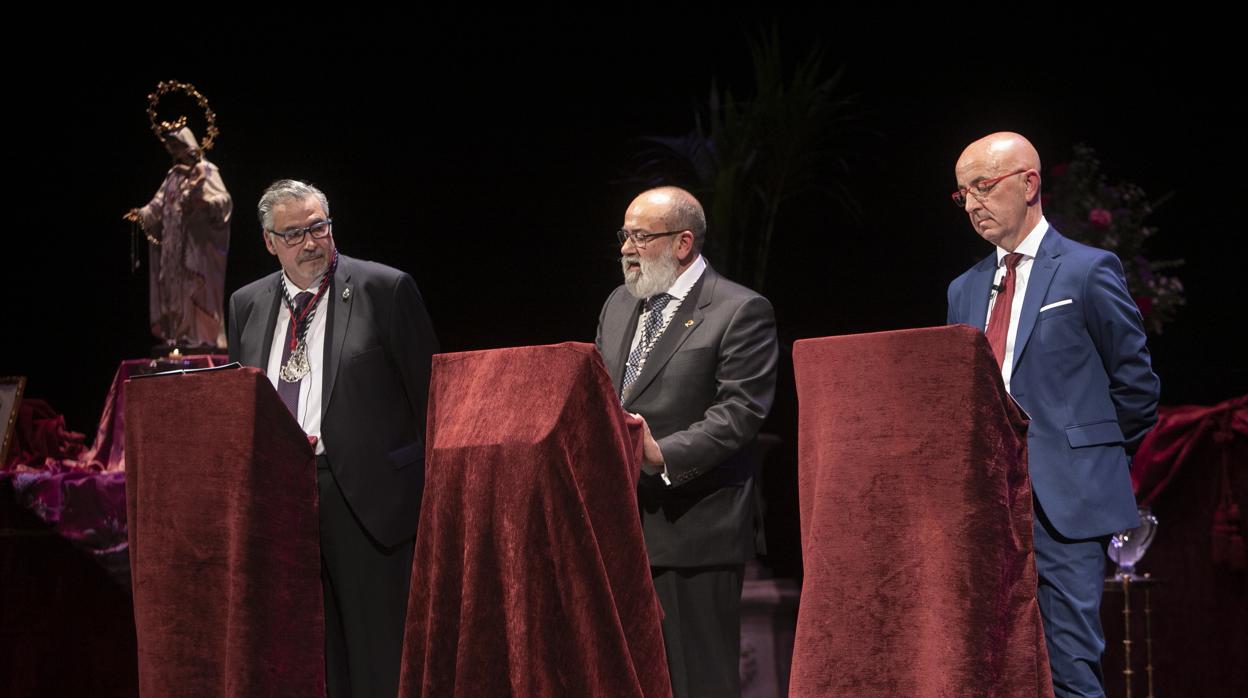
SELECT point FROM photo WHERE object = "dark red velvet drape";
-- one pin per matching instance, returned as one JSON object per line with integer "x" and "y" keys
{"x": 224, "y": 553}
{"x": 66, "y": 625}
{"x": 530, "y": 574}
{"x": 1192, "y": 469}
{"x": 916, "y": 521}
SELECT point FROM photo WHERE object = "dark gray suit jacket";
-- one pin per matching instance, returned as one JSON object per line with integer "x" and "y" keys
{"x": 378, "y": 348}
{"x": 705, "y": 389}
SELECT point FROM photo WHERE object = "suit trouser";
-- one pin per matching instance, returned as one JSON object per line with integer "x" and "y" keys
{"x": 366, "y": 588}
{"x": 1071, "y": 578}
{"x": 701, "y": 628}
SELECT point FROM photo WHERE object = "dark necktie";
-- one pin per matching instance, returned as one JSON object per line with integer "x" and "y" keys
{"x": 999, "y": 319}
{"x": 290, "y": 391}
{"x": 654, "y": 320}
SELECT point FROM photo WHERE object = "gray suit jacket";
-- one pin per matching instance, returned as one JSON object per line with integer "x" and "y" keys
{"x": 705, "y": 390}
{"x": 378, "y": 348}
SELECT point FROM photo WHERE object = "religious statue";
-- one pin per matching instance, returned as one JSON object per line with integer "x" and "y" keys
{"x": 187, "y": 226}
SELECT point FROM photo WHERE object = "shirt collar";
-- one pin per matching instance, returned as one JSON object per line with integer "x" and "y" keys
{"x": 684, "y": 283}
{"x": 1030, "y": 244}
{"x": 292, "y": 289}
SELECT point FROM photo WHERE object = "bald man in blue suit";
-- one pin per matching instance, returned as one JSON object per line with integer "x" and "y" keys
{"x": 1074, "y": 357}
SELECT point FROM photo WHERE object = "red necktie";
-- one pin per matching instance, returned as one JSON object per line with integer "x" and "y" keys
{"x": 999, "y": 319}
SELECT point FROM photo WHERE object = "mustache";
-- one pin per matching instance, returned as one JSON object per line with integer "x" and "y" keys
{"x": 309, "y": 255}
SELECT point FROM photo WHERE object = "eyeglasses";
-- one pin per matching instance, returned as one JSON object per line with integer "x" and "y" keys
{"x": 980, "y": 189}
{"x": 641, "y": 239}
{"x": 318, "y": 231}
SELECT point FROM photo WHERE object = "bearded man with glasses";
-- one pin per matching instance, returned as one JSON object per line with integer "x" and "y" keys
{"x": 1070, "y": 345}
{"x": 348, "y": 346}
{"x": 694, "y": 355}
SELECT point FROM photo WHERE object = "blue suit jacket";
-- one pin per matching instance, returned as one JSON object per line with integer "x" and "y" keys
{"x": 1082, "y": 372}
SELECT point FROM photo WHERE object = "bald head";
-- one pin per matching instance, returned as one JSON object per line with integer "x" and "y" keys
{"x": 1005, "y": 150}
{"x": 1001, "y": 175}
{"x": 673, "y": 208}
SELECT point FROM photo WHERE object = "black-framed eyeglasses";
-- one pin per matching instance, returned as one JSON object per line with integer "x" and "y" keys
{"x": 640, "y": 238}
{"x": 318, "y": 230}
{"x": 981, "y": 188}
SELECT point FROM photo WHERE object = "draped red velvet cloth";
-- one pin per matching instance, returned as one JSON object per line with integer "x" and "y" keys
{"x": 530, "y": 575}
{"x": 1179, "y": 438}
{"x": 224, "y": 553}
{"x": 1192, "y": 469}
{"x": 916, "y": 521}
{"x": 40, "y": 436}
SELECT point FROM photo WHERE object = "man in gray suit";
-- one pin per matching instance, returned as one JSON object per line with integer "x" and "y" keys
{"x": 348, "y": 345}
{"x": 694, "y": 355}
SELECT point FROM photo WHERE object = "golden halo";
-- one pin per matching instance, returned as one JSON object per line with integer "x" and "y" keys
{"x": 160, "y": 128}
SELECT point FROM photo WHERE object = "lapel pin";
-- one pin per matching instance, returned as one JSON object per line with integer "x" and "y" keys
{"x": 346, "y": 293}
{"x": 688, "y": 323}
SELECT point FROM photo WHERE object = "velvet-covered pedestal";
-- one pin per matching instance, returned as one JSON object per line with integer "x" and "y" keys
{"x": 916, "y": 519}
{"x": 530, "y": 575}
{"x": 224, "y": 554}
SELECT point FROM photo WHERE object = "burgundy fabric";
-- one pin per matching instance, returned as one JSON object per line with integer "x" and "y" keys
{"x": 223, "y": 539}
{"x": 40, "y": 438}
{"x": 916, "y": 521}
{"x": 1199, "y": 612}
{"x": 87, "y": 509}
{"x": 42, "y": 442}
{"x": 66, "y": 626}
{"x": 107, "y": 452}
{"x": 80, "y": 491}
{"x": 1181, "y": 434}
{"x": 999, "y": 319}
{"x": 530, "y": 575}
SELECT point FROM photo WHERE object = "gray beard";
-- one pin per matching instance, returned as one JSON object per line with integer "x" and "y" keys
{"x": 653, "y": 277}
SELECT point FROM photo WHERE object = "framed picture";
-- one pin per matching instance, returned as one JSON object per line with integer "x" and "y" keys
{"x": 11, "y": 388}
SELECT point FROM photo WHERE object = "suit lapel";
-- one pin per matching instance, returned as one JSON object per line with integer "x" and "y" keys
{"x": 338, "y": 305}
{"x": 257, "y": 336}
{"x": 626, "y": 344}
{"x": 1042, "y": 270}
{"x": 687, "y": 319}
{"x": 981, "y": 290}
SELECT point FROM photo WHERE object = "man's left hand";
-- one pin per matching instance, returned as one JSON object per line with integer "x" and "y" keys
{"x": 651, "y": 454}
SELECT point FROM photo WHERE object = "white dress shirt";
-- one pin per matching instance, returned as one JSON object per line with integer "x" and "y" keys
{"x": 1028, "y": 248}
{"x": 680, "y": 288}
{"x": 309, "y": 416}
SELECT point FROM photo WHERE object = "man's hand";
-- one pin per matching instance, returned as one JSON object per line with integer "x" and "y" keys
{"x": 651, "y": 454}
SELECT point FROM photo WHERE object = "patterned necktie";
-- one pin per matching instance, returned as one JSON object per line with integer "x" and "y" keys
{"x": 637, "y": 357}
{"x": 290, "y": 391}
{"x": 999, "y": 318}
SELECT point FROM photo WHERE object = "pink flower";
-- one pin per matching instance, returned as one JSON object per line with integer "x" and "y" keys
{"x": 1100, "y": 218}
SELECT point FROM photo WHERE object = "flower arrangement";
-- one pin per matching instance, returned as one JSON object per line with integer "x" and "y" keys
{"x": 1083, "y": 204}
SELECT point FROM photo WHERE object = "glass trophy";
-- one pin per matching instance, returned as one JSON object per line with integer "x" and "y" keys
{"x": 1126, "y": 548}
